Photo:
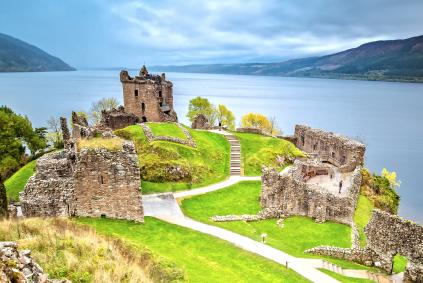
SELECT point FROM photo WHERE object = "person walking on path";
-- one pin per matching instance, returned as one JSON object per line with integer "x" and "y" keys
{"x": 340, "y": 186}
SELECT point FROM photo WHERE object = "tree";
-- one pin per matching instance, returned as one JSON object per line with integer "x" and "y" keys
{"x": 201, "y": 105}
{"x": 16, "y": 133}
{"x": 259, "y": 121}
{"x": 102, "y": 104}
{"x": 225, "y": 117}
{"x": 54, "y": 136}
{"x": 3, "y": 200}
{"x": 391, "y": 177}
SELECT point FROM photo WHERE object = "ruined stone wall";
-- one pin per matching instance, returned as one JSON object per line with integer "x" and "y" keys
{"x": 108, "y": 184}
{"x": 200, "y": 122}
{"x": 50, "y": 191}
{"x": 388, "y": 234}
{"x": 189, "y": 141}
{"x": 118, "y": 118}
{"x": 148, "y": 97}
{"x": 252, "y": 131}
{"x": 288, "y": 192}
{"x": 343, "y": 152}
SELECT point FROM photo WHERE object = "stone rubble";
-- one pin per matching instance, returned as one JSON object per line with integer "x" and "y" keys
{"x": 19, "y": 267}
{"x": 189, "y": 141}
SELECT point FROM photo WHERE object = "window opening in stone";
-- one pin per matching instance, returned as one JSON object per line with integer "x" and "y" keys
{"x": 101, "y": 179}
{"x": 143, "y": 107}
{"x": 136, "y": 92}
{"x": 103, "y": 216}
{"x": 160, "y": 93}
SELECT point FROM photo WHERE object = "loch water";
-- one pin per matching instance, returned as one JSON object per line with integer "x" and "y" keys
{"x": 386, "y": 116}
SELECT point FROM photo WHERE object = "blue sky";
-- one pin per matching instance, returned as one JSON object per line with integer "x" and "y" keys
{"x": 127, "y": 33}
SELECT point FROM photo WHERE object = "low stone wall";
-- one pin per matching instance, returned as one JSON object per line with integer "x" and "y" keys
{"x": 287, "y": 192}
{"x": 292, "y": 139}
{"x": 189, "y": 141}
{"x": 18, "y": 266}
{"x": 363, "y": 256}
{"x": 252, "y": 131}
{"x": 262, "y": 215}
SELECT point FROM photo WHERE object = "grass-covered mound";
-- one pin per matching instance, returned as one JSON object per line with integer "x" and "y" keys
{"x": 16, "y": 183}
{"x": 378, "y": 190}
{"x": 202, "y": 257}
{"x": 166, "y": 129}
{"x": 168, "y": 166}
{"x": 65, "y": 250}
{"x": 297, "y": 234}
{"x": 258, "y": 150}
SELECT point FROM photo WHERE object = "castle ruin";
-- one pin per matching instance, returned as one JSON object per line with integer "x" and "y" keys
{"x": 325, "y": 186}
{"x": 92, "y": 182}
{"x": 149, "y": 97}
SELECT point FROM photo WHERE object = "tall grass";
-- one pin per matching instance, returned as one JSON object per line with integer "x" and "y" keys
{"x": 113, "y": 144}
{"x": 66, "y": 250}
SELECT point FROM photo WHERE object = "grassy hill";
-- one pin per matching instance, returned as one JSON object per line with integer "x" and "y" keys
{"x": 167, "y": 166}
{"x": 16, "y": 183}
{"x": 19, "y": 56}
{"x": 202, "y": 257}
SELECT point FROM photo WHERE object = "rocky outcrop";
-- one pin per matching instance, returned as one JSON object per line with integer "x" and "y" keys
{"x": 18, "y": 266}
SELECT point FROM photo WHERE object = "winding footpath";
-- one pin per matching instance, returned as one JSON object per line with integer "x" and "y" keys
{"x": 165, "y": 207}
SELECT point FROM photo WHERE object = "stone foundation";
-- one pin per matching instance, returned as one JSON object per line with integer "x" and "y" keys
{"x": 189, "y": 141}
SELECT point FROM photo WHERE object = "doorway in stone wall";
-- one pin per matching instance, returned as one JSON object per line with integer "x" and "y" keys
{"x": 144, "y": 119}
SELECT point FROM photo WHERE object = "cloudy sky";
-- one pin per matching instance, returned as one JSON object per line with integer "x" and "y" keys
{"x": 127, "y": 33}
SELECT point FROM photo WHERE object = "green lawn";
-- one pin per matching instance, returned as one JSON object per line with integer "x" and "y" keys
{"x": 204, "y": 258}
{"x": 297, "y": 235}
{"x": 207, "y": 164}
{"x": 258, "y": 150}
{"x": 166, "y": 129}
{"x": 362, "y": 216}
{"x": 345, "y": 279}
{"x": 16, "y": 183}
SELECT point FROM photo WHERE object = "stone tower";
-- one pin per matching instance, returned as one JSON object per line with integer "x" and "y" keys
{"x": 150, "y": 97}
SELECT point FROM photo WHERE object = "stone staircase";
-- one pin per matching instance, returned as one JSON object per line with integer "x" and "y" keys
{"x": 235, "y": 169}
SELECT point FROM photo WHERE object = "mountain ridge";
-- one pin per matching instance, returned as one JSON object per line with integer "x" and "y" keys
{"x": 387, "y": 60}
{"x": 19, "y": 56}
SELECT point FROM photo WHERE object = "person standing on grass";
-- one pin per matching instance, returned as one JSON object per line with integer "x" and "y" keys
{"x": 340, "y": 186}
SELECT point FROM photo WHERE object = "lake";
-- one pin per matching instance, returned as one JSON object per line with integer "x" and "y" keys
{"x": 386, "y": 116}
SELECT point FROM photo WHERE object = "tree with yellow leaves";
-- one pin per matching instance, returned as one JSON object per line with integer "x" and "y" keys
{"x": 259, "y": 121}
{"x": 391, "y": 177}
{"x": 225, "y": 117}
